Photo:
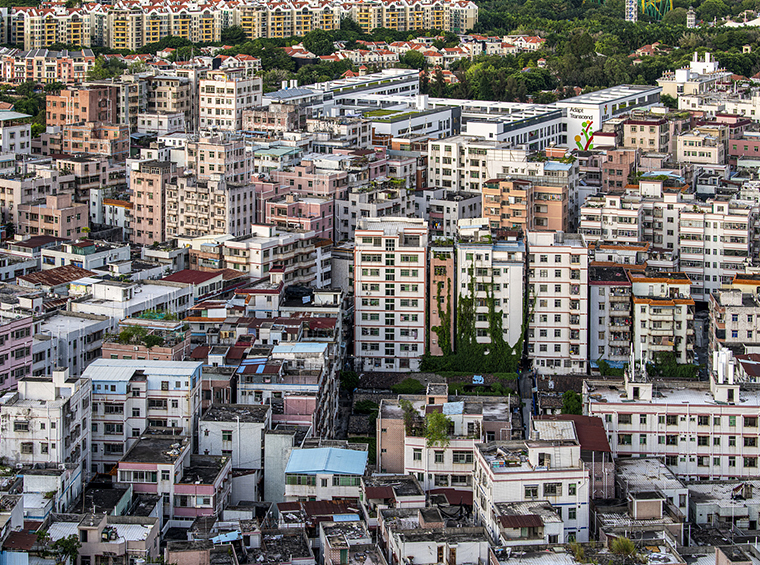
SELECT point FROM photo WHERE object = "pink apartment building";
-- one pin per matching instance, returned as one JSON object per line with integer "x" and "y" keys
{"x": 56, "y": 215}
{"x": 307, "y": 213}
{"x": 15, "y": 348}
{"x": 308, "y": 179}
{"x": 74, "y": 105}
{"x": 148, "y": 181}
{"x": 190, "y": 485}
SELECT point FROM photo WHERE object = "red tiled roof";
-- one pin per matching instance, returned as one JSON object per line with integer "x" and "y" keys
{"x": 200, "y": 352}
{"x": 20, "y": 541}
{"x": 379, "y": 492}
{"x": 526, "y": 521}
{"x": 591, "y": 434}
{"x": 455, "y": 497}
{"x": 57, "y": 276}
{"x": 190, "y": 276}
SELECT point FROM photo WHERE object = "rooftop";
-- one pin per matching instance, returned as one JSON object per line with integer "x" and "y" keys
{"x": 190, "y": 276}
{"x": 57, "y": 276}
{"x": 157, "y": 449}
{"x": 328, "y": 460}
{"x": 236, "y": 413}
{"x": 390, "y": 486}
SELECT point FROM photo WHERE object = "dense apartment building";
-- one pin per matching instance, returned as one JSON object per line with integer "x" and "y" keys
{"x": 702, "y": 430}
{"x": 663, "y": 316}
{"x": 552, "y": 472}
{"x": 298, "y": 256}
{"x": 558, "y": 290}
{"x": 149, "y": 180}
{"x": 609, "y": 312}
{"x": 130, "y": 396}
{"x": 74, "y": 105}
{"x": 734, "y": 318}
{"x": 56, "y": 215}
{"x": 491, "y": 265}
{"x": 403, "y": 449}
{"x": 100, "y": 138}
{"x": 48, "y": 421}
{"x": 45, "y": 66}
{"x": 390, "y": 281}
{"x": 507, "y": 204}
{"x": 15, "y": 347}
{"x": 224, "y": 96}
{"x": 612, "y": 217}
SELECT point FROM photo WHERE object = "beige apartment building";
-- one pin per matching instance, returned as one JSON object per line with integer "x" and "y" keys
{"x": 700, "y": 147}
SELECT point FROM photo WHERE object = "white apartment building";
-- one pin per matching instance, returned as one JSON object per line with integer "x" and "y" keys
{"x": 325, "y": 473}
{"x": 663, "y": 316}
{"x": 365, "y": 202}
{"x": 444, "y": 208}
{"x": 701, "y": 148}
{"x": 15, "y": 133}
{"x": 390, "y": 279}
{"x": 558, "y": 286}
{"x": 48, "y": 421}
{"x": 611, "y": 217}
{"x": 86, "y": 254}
{"x": 77, "y": 338}
{"x": 702, "y": 431}
{"x": 129, "y": 396}
{"x": 497, "y": 268}
{"x": 552, "y": 471}
{"x": 237, "y": 431}
{"x": 224, "y": 95}
{"x": 119, "y": 300}
{"x": 717, "y": 239}
{"x": 303, "y": 258}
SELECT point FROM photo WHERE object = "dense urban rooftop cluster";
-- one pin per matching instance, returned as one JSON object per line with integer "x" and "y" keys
{"x": 349, "y": 322}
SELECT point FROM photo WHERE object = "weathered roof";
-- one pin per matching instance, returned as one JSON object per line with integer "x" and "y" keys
{"x": 327, "y": 460}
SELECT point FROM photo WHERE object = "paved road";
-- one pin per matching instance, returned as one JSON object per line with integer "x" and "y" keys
{"x": 526, "y": 393}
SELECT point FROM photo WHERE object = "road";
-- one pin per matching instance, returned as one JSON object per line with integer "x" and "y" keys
{"x": 526, "y": 393}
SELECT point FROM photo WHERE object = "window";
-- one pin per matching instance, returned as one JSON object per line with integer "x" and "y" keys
{"x": 703, "y": 420}
{"x": 624, "y": 419}
{"x": 642, "y": 419}
{"x": 571, "y": 489}
{"x": 439, "y": 456}
{"x": 165, "y": 475}
{"x": 27, "y": 447}
{"x": 20, "y": 426}
{"x": 732, "y": 441}
{"x": 226, "y": 435}
{"x": 750, "y": 421}
{"x": 624, "y": 439}
{"x": 571, "y": 513}
{"x": 552, "y": 489}
{"x": 417, "y": 456}
{"x": 748, "y": 461}
{"x": 750, "y": 442}
{"x": 531, "y": 491}
{"x": 462, "y": 457}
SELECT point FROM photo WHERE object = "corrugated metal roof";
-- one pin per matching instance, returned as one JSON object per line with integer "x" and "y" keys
{"x": 526, "y": 521}
{"x": 300, "y": 348}
{"x": 327, "y": 460}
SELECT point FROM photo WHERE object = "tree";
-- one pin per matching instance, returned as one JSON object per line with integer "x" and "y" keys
{"x": 233, "y": 35}
{"x": 349, "y": 380}
{"x": 153, "y": 341}
{"x": 408, "y": 386}
{"x": 67, "y": 549}
{"x": 414, "y": 59}
{"x": 437, "y": 429}
{"x": 54, "y": 87}
{"x": 319, "y": 42}
{"x": 571, "y": 403}
{"x": 676, "y": 16}
{"x": 669, "y": 101}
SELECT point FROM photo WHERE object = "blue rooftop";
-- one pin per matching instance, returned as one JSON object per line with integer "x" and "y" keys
{"x": 557, "y": 166}
{"x": 330, "y": 460}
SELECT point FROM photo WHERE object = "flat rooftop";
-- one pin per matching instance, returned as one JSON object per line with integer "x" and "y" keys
{"x": 398, "y": 485}
{"x": 156, "y": 450}
{"x": 646, "y": 474}
{"x": 685, "y": 394}
{"x": 236, "y": 413}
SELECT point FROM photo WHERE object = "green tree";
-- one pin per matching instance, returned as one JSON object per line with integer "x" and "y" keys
{"x": 349, "y": 380}
{"x": 67, "y": 549}
{"x": 676, "y": 16}
{"x": 233, "y": 35}
{"x": 319, "y": 42}
{"x": 153, "y": 341}
{"x": 710, "y": 10}
{"x": 54, "y": 87}
{"x": 571, "y": 403}
{"x": 437, "y": 429}
{"x": 669, "y": 101}
{"x": 414, "y": 59}
{"x": 408, "y": 386}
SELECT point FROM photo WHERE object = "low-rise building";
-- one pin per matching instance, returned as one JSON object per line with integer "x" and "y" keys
{"x": 325, "y": 473}
{"x": 84, "y": 253}
{"x": 236, "y": 431}
{"x": 145, "y": 338}
{"x": 56, "y": 215}
{"x": 16, "y": 334}
{"x": 78, "y": 338}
